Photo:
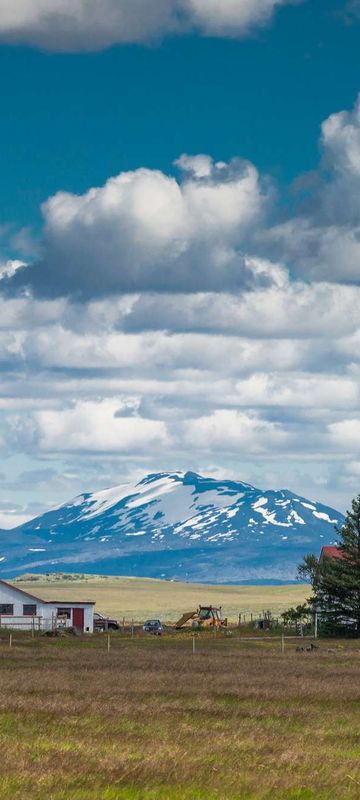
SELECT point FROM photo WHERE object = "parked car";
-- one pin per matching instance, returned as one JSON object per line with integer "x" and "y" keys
{"x": 102, "y": 623}
{"x": 153, "y": 626}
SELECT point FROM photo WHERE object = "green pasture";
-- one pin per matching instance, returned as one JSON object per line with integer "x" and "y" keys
{"x": 151, "y": 720}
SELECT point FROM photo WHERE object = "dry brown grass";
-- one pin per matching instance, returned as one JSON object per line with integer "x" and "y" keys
{"x": 152, "y": 721}
{"x": 140, "y": 598}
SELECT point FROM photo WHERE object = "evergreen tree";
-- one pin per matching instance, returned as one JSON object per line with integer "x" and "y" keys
{"x": 336, "y": 581}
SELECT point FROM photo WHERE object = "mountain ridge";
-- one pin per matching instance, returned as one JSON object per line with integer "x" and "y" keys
{"x": 175, "y": 525}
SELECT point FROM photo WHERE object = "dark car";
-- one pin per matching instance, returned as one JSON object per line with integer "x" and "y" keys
{"x": 153, "y": 626}
{"x": 102, "y": 623}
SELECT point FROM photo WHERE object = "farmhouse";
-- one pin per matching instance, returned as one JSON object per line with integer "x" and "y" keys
{"x": 22, "y": 610}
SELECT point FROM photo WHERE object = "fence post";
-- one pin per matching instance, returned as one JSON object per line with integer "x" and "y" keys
{"x": 10, "y": 640}
{"x": 108, "y": 643}
{"x": 33, "y": 627}
{"x": 282, "y": 643}
{"x": 132, "y": 628}
{"x": 316, "y": 626}
{"x": 239, "y": 621}
{"x": 193, "y": 645}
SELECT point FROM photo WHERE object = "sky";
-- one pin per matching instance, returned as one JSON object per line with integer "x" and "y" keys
{"x": 179, "y": 245}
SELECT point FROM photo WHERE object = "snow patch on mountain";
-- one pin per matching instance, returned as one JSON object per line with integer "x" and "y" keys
{"x": 323, "y": 515}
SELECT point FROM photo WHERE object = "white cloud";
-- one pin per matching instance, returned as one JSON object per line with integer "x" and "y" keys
{"x": 161, "y": 399}
{"x": 226, "y": 430}
{"x": 157, "y": 353}
{"x": 93, "y": 426}
{"x": 321, "y": 252}
{"x": 346, "y": 434}
{"x": 200, "y": 166}
{"x": 295, "y": 309}
{"x": 231, "y": 17}
{"x": 307, "y": 391}
{"x": 144, "y": 230}
{"x": 25, "y": 312}
{"x": 9, "y": 268}
{"x": 341, "y": 141}
{"x": 96, "y": 24}
{"x": 324, "y": 243}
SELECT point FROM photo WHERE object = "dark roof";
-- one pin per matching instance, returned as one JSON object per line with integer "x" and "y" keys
{"x": 331, "y": 551}
{"x": 40, "y": 600}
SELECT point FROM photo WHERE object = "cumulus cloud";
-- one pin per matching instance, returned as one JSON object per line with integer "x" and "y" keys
{"x": 227, "y": 429}
{"x": 341, "y": 141}
{"x": 71, "y": 25}
{"x": 145, "y": 230}
{"x": 323, "y": 243}
{"x": 89, "y": 426}
{"x": 208, "y": 230}
{"x": 321, "y": 251}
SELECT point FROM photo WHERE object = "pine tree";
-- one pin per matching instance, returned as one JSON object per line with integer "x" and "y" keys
{"x": 336, "y": 581}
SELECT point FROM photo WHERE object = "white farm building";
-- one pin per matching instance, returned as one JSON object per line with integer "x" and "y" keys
{"x": 19, "y": 609}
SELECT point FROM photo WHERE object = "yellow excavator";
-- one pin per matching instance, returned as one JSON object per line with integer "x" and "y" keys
{"x": 204, "y": 617}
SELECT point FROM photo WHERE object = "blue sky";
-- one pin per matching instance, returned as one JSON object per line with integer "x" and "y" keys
{"x": 201, "y": 314}
{"x": 71, "y": 120}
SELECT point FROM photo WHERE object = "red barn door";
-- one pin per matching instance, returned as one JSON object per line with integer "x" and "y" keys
{"x": 78, "y": 618}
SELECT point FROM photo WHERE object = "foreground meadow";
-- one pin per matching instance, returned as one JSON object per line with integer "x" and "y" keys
{"x": 150, "y": 720}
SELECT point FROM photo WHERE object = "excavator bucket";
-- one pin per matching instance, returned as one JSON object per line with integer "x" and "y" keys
{"x": 185, "y": 618}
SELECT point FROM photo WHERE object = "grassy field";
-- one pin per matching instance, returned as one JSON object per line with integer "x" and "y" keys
{"x": 152, "y": 721}
{"x": 139, "y": 598}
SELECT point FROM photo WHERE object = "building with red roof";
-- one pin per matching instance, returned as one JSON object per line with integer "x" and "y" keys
{"x": 331, "y": 551}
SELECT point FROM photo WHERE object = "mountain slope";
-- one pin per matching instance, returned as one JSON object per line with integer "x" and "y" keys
{"x": 176, "y": 526}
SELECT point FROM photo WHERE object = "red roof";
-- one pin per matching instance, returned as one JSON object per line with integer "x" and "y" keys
{"x": 331, "y": 551}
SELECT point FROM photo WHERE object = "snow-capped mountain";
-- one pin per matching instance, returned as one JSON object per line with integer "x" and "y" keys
{"x": 175, "y": 526}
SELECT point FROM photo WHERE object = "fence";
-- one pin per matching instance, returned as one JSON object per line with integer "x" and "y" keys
{"x": 33, "y": 623}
